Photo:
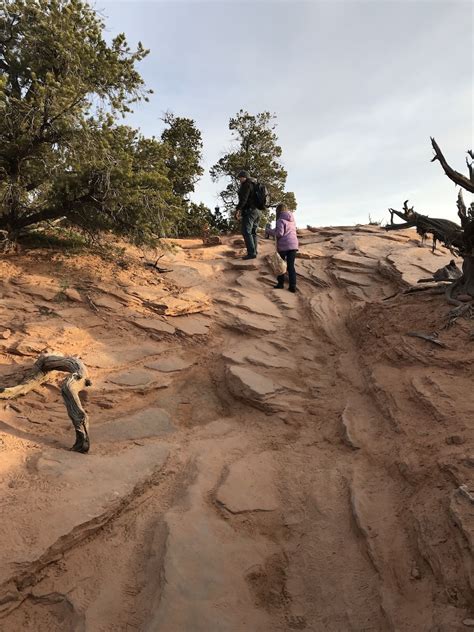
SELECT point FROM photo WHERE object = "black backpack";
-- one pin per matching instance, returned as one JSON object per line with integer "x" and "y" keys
{"x": 262, "y": 196}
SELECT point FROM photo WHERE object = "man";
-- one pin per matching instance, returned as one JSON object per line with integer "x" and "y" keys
{"x": 248, "y": 212}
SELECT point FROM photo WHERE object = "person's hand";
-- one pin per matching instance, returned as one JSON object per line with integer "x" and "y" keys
{"x": 237, "y": 215}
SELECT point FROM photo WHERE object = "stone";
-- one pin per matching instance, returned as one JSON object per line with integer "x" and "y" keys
{"x": 455, "y": 440}
{"x": 468, "y": 623}
{"x": 205, "y": 561}
{"x": 260, "y": 354}
{"x": 190, "y": 302}
{"x": 191, "y": 325}
{"x": 113, "y": 353}
{"x": 257, "y": 303}
{"x": 247, "y": 322}
{"x": 89, "y": 489}
{"x": 134, "y": 377}
{"x": 73, "y": 295}
{"x": 250, "y": 485}
{"x": 154, "y": 325}
{"x": 349, "y": 424}
{"x": 185, "y": 276}
{"x": 5, "y": 334}
{"x": 170, "y": 364}
{"x": 464, "y": 298}
{"x": 46, "y": 293}
{"x": 108, "y": 303}
{"x": 151, "y": 422}
{"x": 84, "y": 318}
{"x": 240, "y": 264}
{"x": 252, "y": 387}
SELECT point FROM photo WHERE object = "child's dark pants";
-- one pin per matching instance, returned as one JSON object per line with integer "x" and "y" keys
{"x": 289, "y": 256}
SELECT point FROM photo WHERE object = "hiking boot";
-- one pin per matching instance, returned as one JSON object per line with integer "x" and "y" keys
{"x": 279, "y": 286}
{"x": 292, "y": 289}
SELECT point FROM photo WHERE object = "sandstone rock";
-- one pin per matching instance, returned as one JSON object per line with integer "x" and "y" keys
{"x": 134, "y": 377}
{"x": 170, "y": 364}
{"x": 154, "y": 325}
{"x": 259, "y": 354}
{"x": 5, "y": 334}
{"x": 205, "y": 563}
{"x": 241, "y": 264}
{"x": 192, "y": 325}
{"x": 88, "y": 491}
{"x": 185, "y": 276}
{"x": 348, "y": 428}
{"x": 256, "y": 302}
{"x": 250, "y": 485}
{"x": 84, "y": 318}
{"x": 190, "y": 302}
{"x": 108, "y": 303}
{"x": 151, "y": 422}
{"x": 73, "y": 295}
{"x": 113, "y": 353}
{"x": 247, "y": 322}
{"x": 251, "y": 386}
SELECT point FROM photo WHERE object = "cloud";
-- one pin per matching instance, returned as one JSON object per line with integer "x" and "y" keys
{"x": 358, "y": 89}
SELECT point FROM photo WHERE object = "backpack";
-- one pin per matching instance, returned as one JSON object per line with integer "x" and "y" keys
{"x": 262, "y": 196}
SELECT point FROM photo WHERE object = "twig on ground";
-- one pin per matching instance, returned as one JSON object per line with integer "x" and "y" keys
{"x": 430, "y": 338}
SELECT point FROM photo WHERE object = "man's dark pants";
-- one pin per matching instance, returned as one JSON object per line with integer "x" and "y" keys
{"x": 250, "y": 221}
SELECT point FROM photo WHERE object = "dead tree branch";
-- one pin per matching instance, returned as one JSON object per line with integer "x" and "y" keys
{"x": 70, "y": 389}
{"x": 455, "y": 176}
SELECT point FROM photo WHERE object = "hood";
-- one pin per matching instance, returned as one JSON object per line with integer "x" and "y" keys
{"x": 287, "y": 215}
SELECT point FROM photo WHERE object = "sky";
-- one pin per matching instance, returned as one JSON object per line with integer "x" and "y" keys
{"x": 358, "y": 88}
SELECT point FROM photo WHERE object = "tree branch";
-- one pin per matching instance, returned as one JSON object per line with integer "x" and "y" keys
{"x": 455, "y": 176}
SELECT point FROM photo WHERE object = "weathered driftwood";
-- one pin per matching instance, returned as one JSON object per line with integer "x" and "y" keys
{"x": 459, "y": 239}
{"x": 70, "y": 389}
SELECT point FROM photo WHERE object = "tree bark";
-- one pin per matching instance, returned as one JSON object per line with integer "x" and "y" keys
{"x": 71, "y": 387}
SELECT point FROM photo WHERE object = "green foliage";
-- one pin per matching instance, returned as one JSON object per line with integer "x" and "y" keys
{"x": 258, "y": 152}
{"x": 197, "y": 218}
{"x": 184, "y": 161}
{"x": 62, "y": 153}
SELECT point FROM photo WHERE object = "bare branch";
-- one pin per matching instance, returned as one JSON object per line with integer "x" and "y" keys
{"x": 455, "y": 176}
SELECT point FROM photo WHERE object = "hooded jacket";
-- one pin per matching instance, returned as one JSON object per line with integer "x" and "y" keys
{"x": 247, "y": 196}
{"x": 285, "y": 232}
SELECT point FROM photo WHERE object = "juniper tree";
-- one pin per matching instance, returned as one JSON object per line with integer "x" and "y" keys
{"x": 255, "y": 149}
{"x": 62, "y": 90}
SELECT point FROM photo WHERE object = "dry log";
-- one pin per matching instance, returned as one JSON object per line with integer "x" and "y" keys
{"x": 70, "y": 389}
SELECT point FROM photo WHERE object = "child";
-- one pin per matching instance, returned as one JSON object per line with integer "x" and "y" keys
{"x": 287, "y": 244}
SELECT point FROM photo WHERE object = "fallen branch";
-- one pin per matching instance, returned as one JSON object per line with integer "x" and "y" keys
{"x": 432, "y": 338}
{"x": 70, "y": 390}
{"x": 156, "y": 267}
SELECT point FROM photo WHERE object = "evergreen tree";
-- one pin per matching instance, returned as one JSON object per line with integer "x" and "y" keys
{"x": 62, "y": 154}
{"x": 184, "y": 161}
{"x": 257, "y": 151}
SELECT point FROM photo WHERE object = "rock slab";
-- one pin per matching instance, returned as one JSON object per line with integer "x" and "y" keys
{"x": 250, "y": 485}
{"x": 89, "y": 489}
{"x": 151, "y": 422}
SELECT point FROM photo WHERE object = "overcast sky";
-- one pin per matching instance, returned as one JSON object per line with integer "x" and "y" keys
{"x": 357, "y": 87}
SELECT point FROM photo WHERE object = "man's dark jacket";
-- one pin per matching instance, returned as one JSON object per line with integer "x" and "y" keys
{"x": 247, "y": 199}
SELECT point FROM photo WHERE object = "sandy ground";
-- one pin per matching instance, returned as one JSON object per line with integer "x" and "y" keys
{"x": 260, "y": 461}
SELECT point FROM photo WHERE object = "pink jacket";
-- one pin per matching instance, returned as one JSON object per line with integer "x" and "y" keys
{"x": 285, "y": 232}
